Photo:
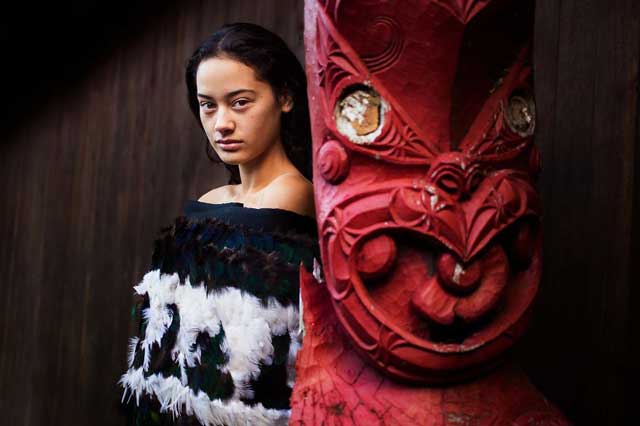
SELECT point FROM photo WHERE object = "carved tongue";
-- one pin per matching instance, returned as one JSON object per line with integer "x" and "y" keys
{"x": 435, "y": 303}
{"x": 456, "y": 277}
{"x": 464, "y": 292}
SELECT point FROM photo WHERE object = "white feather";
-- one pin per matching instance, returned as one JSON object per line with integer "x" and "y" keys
{"x": 175, "y": 397}
{"x": 161, "y": 291}
{"x": 131, "y": 354}
{"x": 248, "y": 327}
{"x": 197, "y": 314}
{"x": 294, "y": 346}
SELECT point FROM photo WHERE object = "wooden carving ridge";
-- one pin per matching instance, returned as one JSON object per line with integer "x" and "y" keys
{"x": 464, "y": 10}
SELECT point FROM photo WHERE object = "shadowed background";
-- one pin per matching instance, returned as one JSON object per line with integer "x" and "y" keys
{"x": 98, "y": 151}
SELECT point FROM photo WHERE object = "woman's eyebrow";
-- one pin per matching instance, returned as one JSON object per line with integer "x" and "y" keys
{"x": 237, "y": 92}
{"x": 228, "y": 95}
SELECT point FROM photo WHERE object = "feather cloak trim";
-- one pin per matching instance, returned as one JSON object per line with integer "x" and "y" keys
{"x": 177, "y": 399}
{"x": 217, "y": 253}
{"x": 218, "y": 342}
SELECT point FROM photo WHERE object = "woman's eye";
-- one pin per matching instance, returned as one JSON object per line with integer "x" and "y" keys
{"x": 240, "y": 103}
{"x": 207, "y": 106}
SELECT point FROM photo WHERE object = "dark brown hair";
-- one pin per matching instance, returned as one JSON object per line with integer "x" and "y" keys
{"x": 272, "y": 60}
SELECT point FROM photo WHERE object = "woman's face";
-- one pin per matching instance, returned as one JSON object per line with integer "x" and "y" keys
{"x": 240, "y": 114}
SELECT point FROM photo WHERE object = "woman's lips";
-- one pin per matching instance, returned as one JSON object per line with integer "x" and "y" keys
{"x": 229, "y": 144}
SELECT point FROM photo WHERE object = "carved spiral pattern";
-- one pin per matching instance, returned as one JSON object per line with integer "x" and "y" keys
{"x": 333, "y": 162}
{"x": 391, "y": 52}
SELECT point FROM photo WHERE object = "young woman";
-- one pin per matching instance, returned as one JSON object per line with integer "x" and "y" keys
{"x": 219, "y": 309}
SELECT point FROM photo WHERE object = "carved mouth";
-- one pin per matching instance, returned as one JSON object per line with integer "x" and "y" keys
{"x": 429, "y": 291}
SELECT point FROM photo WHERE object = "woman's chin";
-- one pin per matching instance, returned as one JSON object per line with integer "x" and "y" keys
{"x": 232, "y": 158}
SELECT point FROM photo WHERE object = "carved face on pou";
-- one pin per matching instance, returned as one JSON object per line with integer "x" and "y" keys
{"x": 425, "y": 168}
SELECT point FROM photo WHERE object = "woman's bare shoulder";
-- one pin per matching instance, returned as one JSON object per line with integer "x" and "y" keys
{"x": 221, "y": 194}
{"x": 291, "y": 192}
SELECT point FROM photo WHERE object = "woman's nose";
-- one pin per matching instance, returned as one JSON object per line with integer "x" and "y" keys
{"x": 224, "y": 122}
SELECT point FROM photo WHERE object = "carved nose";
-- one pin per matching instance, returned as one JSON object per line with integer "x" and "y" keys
{"x": 456, "y": 174}
{"x": 451, "y": 182}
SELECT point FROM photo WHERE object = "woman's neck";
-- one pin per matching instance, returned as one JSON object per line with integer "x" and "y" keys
{"x": 261, "y": 171}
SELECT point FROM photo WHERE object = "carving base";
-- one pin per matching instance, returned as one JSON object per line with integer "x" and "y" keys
{"x": 335, "y": 386}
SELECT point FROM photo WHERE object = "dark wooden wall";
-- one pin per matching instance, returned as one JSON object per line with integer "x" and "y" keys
{"x": 579, "y": 350}
{"x": 89, "y": 176}
{"x": 91, "y": 170}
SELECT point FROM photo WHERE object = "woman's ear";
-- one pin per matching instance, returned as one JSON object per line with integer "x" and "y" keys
{"x": 286, "y": 102}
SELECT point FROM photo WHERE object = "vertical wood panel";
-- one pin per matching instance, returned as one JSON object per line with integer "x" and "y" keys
{"x": 579, "y": 348}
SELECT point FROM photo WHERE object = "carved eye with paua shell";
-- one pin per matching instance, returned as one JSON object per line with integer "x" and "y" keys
{"x": 520, "y": 113}
{"x": 360, "y": 113}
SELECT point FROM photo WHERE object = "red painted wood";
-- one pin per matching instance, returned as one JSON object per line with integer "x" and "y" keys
{"x": 336, "y": 386}
{"x": 429, "y": 219}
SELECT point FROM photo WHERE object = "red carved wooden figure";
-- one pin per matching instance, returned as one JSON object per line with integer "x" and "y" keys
{"x": 429, "y": 219}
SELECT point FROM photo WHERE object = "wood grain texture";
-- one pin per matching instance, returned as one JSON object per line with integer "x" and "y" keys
{"x": 89, "y": 179}
{"x": 579, "y": 350}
